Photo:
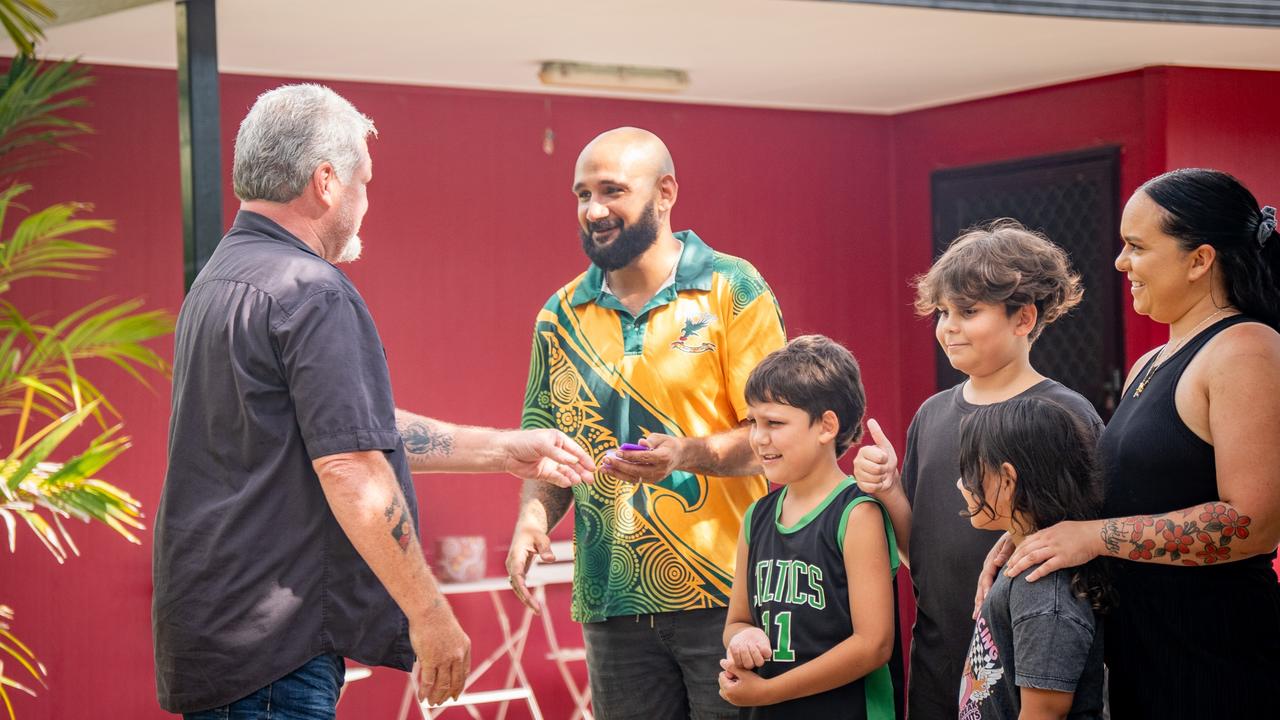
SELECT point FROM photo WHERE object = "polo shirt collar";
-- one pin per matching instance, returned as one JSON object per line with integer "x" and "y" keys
{"x": 262, "y": 225}
{"x": 693, "y": 271}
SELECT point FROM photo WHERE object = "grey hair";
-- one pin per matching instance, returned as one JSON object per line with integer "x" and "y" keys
{"x": 288, "y": 133}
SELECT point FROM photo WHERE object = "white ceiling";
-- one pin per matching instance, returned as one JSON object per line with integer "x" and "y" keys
{"x": 767, "y": 53}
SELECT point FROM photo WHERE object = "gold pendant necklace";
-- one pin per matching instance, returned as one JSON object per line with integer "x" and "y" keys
{"x": 1161, "y": 356}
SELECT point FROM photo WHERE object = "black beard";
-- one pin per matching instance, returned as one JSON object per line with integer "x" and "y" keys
{"x": 631, "y": 242}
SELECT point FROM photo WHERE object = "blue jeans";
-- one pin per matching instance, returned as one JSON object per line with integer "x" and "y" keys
{"x": 658, "y": 667}
{"x": 308, "y": 693}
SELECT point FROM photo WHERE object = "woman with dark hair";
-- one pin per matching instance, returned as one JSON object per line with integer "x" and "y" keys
{"x": 1191, "y": 461}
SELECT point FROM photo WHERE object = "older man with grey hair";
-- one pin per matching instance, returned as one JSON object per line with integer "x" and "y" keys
{"x": 286, "y": 538}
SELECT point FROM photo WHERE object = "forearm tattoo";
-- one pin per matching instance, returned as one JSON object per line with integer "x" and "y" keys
{"x": 1201, "y": 535}
{"x": 555, "y": 501}
{"x": 1112, "y": 534}
{"x": 402, "y": 529}
{"x": 421, "y": 438}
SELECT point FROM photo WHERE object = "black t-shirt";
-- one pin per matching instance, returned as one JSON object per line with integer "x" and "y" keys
{"x": 946, "y": 550}
{"x": 277, "y": 362}
{"x": 799, "y": 595}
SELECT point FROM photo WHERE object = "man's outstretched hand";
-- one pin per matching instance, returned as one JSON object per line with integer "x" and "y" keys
{"x": 547, "y": 456}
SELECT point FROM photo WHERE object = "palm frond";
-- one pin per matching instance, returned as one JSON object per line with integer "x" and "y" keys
{"x": 39, "y": 246}
{"x": 45, "y": 358}
{"x": 32, "y": 98}
{"x": 36, "y": 448}
{"x": 18, "y": 650}
{"x": 66, "y": 490}
{"x": 21, "y": 19}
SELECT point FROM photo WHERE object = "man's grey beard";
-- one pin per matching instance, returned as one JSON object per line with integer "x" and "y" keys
{"x": 350, "y": 251}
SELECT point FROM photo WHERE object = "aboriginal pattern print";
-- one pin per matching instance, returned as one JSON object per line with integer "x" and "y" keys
{"x": 745, "y": 283}
{"x": 668, "y": 545}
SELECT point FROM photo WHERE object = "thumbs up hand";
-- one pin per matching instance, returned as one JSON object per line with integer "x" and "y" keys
{"x": 876, "y": 466}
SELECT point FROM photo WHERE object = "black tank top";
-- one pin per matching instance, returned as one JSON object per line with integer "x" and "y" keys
{"x": 799, "y": 595}
{"x": 1152, "y": 462}
{"x": 1182, "y": 642}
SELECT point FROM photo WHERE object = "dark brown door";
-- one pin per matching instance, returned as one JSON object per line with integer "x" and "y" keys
{"x": 1072, "y": 198}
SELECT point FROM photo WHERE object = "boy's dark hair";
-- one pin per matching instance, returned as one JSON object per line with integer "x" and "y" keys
{"x": 816, "y": 374}
{"x": 1053, "y": 452}
{"x": 1002, "y": 263}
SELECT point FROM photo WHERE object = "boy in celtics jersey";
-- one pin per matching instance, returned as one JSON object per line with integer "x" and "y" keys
{"x": 812, "y": 626}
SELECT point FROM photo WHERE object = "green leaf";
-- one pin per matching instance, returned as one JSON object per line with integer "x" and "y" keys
{"x": 56, "y": 434}
{"x": 42, "y": 388}
{"x": 83, "y": 466}
{"x": 33, "y": 96}
{"x": 20, "y": 19}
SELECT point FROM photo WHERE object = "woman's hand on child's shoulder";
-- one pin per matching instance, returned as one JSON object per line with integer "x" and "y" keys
{"x": 1068, "y": 544}
{"x": 742, "y": 687}
{"x": 749, "y": 648}
{"x": 876, "y": 466}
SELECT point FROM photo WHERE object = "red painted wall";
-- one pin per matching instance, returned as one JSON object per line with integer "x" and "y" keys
{"x": 471, "y": 227}
{"x": 1228, "y": 120}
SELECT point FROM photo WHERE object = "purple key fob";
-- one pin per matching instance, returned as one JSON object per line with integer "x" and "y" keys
{"x": 632, "y": 447}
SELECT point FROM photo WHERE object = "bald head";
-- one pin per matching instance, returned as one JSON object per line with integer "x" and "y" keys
{"x": 626, "y": 186}
{"x": 635, "y": 152}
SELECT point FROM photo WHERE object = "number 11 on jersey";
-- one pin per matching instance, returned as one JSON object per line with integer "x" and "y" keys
{"x": 782, "y": 651}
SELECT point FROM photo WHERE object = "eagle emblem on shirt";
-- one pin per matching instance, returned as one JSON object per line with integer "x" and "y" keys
{"x": 693, "y": 326}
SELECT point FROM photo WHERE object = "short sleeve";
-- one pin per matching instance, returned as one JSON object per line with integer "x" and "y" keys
{"x": 336, "y": 370}
{"x": 755, "y": 331}
{"x": 1079, "y": 406}
{"x": 910, "y": 465}
{"x": 1053, "y": 633}
{"x": 537, "y": 392}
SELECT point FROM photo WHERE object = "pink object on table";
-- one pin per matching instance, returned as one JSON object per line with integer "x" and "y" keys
{"x": 461, "y": 558}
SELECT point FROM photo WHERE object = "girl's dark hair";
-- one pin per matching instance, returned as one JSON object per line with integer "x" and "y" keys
{"x": 1052, "y": 452}
{"x": 1209, "y": 207}
{"x": 816, "y": 374}
{"x": 1002, "y": 263}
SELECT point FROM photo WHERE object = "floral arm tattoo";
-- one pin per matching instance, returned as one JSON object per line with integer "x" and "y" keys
{"x": 1200, "y": 535}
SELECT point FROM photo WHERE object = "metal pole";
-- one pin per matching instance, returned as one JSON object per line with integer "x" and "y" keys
{"x": 199, "y": 137}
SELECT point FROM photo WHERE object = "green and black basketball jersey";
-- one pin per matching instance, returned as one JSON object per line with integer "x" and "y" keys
{"x": 799, "y": 595}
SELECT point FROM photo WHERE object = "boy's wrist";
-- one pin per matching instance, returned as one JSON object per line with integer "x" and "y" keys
{"x": 771, "y": 691}
{"x": 892, "y": 488}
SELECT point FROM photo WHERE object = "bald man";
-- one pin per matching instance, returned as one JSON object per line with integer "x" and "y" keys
{"x": 651, "y": 346}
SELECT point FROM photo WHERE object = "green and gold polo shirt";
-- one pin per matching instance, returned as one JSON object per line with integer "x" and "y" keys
{"x": 606, "y": 377}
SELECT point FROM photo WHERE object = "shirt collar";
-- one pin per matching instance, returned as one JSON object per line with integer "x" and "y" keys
{"x": 692, "y": 272}
{"x": 259, "y": 224}
{"x": 671, "y": 279}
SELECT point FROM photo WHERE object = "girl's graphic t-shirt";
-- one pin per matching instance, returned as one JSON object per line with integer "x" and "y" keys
{"x": 1034, "y": 635}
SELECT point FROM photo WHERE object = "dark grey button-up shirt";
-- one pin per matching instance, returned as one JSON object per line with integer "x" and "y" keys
{"x": 277, "y": 362}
